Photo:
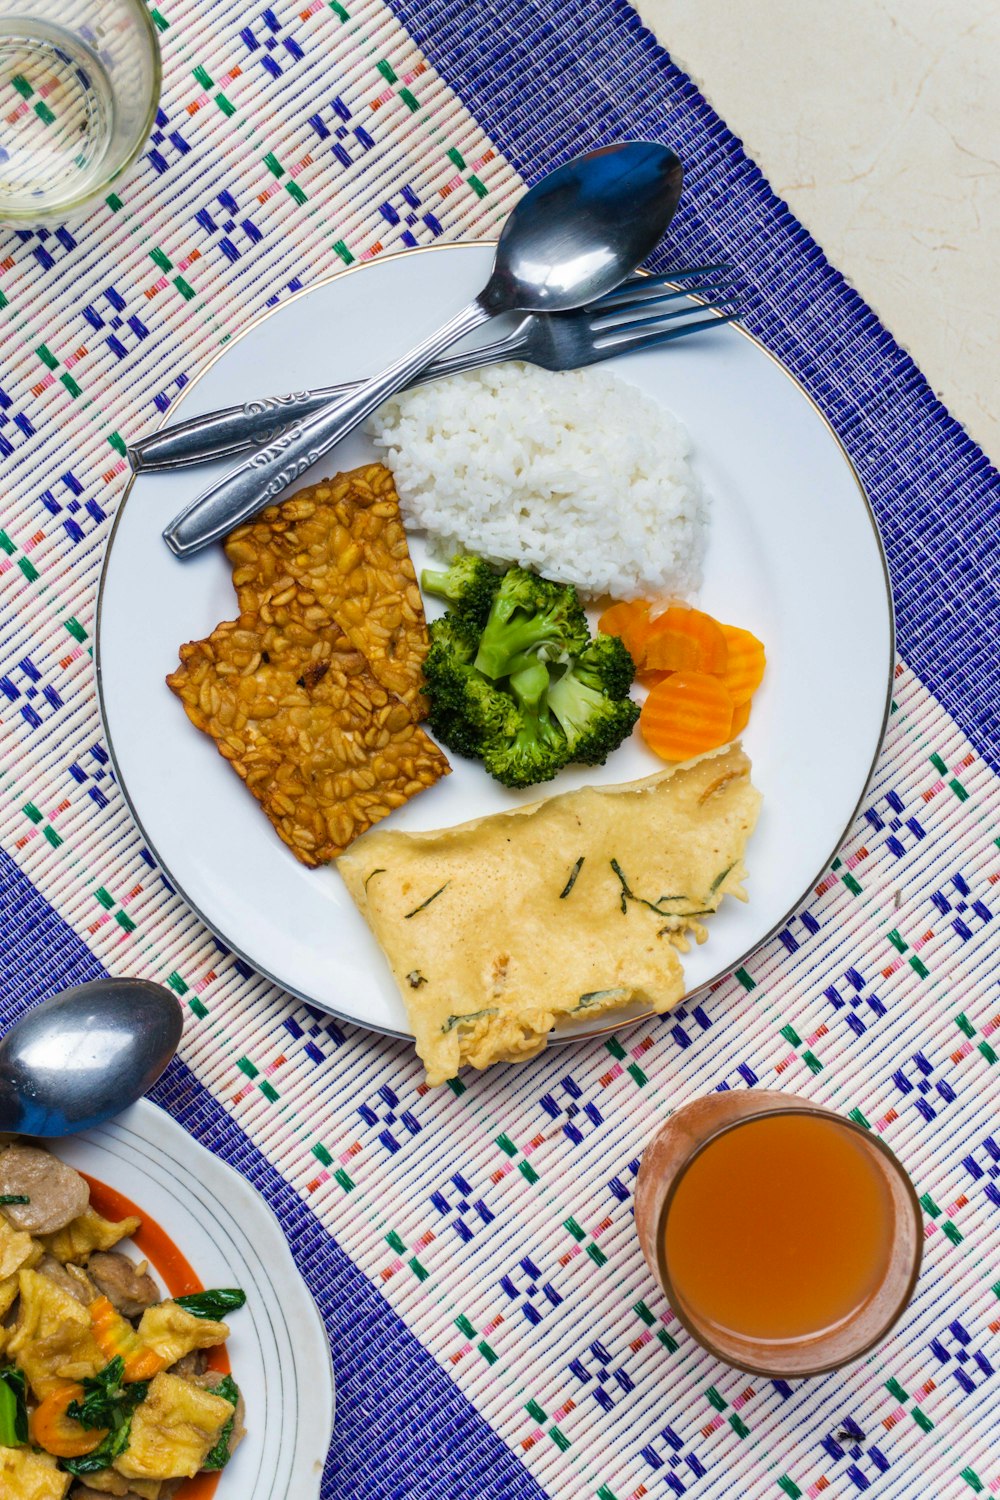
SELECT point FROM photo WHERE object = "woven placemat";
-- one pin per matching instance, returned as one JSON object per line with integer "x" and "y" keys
{"x": 494, "y": 1329}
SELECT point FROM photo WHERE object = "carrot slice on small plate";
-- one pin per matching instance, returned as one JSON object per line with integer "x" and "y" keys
{"x": 684, "y": 640}
{"x": 688, "y": 714}
{"x": 745, "y": 663}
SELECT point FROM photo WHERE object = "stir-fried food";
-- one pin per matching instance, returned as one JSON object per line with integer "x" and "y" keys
{"x": 104, "y": 1384}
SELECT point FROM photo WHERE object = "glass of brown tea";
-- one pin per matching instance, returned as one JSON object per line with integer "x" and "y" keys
{"x": 787, "y": 1238}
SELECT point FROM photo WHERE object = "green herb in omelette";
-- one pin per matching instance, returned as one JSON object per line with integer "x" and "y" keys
{"x": 627, "y": 895}
{"x": 379, "y": 871}
{"x": 472, "y": 1015}
{"x": 571, "y": 882}
{"x": 6, "y": 1198}
{"x": 593, "y": 997}
{"x": 708, "y": 911}
{"x": 433, "y": 897}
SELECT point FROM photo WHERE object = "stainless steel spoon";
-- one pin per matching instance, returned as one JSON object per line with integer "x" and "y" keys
{"x": 572, "y": 238}
{"x": 85, "y": 1054}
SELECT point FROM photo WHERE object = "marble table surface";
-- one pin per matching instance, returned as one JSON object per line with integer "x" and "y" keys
{"x": 879, "y": 123}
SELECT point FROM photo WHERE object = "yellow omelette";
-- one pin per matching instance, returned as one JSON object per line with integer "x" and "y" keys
{"x": 497, "y": 928}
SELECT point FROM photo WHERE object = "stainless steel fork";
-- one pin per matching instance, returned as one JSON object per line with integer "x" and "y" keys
{"x": 643, "y": 313}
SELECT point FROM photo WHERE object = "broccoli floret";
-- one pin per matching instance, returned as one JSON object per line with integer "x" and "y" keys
{"x": 453, "y": 645}
{"x": 463, "y": 705}
{"x": 530, "y": 691}
{"x": 454, "y": 638}
{"x": 593, "y": 723}
{"x": 606, "y": 664}
{"x": 469, "y": 584}
{"x": 529, "y": 617}
{"x": 537, "y": 750}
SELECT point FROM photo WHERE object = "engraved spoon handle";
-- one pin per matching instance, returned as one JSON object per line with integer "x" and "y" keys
{"x": 233, "y": 429}
{"x": 264, "y": 476}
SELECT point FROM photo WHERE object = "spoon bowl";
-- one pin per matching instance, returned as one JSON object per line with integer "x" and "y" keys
{"x": 85, "y": 1054}
{"x": 578, "y": 232}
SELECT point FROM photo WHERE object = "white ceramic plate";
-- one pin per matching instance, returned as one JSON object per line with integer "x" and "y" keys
{"x": 794, "y": 556}
{"x": 278, "y": 1348}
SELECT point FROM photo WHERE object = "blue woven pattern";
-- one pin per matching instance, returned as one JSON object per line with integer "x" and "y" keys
{"x": 403, "y": 1429}
{"x": 530, "y": 1306}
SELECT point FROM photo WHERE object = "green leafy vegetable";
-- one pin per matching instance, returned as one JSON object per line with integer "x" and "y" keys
{"x": 430, "y": 898}
{"x": 379, "y": 871}
{"x": 719, "y": 879}
{"x": 109, "y": 1403}
{"x": 215, "y": 1304}
{"x": 571, "y": 882}
{"x": 13, "y": 1407}
{"x": 6, "y": 1198}
{"x": 219, "y": 1456}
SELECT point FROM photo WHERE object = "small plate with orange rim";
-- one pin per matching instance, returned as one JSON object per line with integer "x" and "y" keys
{"x": 204, "y": 1226}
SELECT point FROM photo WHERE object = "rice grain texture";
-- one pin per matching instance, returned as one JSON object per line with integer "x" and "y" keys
{"x": 574, "y": 474}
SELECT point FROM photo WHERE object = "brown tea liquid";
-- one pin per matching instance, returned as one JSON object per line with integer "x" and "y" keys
{"x": 780, "y": 1228}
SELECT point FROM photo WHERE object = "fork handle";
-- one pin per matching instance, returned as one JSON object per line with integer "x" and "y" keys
{"x": 233, "y": 429}
{"x": 260, "y": 479}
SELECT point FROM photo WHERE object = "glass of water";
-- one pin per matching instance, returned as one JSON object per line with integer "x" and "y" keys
{"x": 79, "y": 87}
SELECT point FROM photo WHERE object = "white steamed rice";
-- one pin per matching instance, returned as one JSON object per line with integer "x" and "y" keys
{"x": 575, "y": 475}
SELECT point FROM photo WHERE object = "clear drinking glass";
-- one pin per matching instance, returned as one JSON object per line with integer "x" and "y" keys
{"x": 79, "y": 87}
{"x": 680, "y": 1139}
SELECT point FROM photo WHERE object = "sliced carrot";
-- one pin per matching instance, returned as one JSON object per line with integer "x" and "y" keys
{"x": 58, "y": 1434}
{"x": 651, "y": 679}
{"x": 745, "y": 663}
{"x": 114, "y": 1335}
{"x": 684, "y": 640}
{"x": 617, "y": 618}
{"x": 626, "y": 620}
{"x": 741, "y": 717}
{"x": 688, "y": 714}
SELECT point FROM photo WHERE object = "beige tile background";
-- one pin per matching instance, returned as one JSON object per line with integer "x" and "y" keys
{"x": 880, "y": 125}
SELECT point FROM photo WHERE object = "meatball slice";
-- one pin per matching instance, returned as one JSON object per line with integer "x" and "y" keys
{"x": 55, "y": 1193}
{"x": 127, "y": 1287}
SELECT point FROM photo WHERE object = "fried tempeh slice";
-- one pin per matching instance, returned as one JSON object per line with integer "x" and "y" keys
{"x": 335, "y": 554}
{"x": 326, "y": 750}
